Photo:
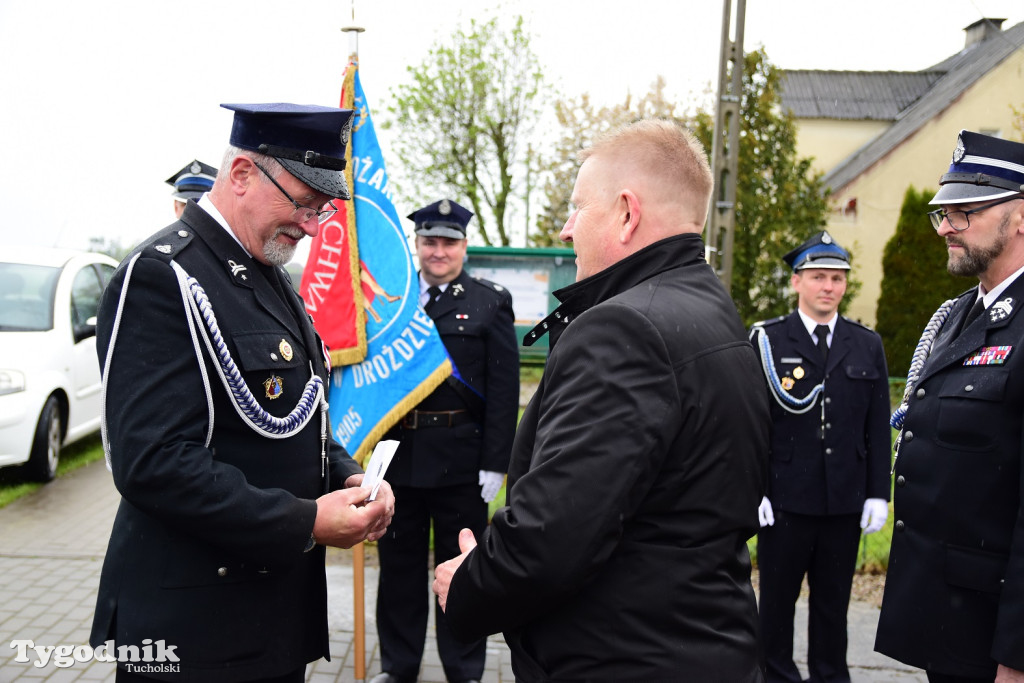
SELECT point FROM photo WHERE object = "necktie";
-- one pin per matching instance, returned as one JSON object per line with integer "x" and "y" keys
{"x": 821, "y": 331}
{"x": 432, "y": 294}
{"x": 975, "y": 311}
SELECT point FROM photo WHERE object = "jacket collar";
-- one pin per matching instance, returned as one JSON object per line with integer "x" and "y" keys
{"x": 951, "y": 347}
{"x": 452, "y": 294}
{"x": 673, "y": 252}
{"x": 244, "y": 271}
{"x": 801, "y": 339}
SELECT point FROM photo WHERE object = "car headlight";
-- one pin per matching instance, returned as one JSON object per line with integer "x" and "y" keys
{"x": 11, "y": 382}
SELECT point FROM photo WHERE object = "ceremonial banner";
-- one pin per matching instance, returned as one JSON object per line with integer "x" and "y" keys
{"x": 404, "y": 358}
{"x": 330, "y": 281}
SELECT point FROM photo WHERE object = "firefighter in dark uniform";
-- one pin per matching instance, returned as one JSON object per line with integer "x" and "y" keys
{"x": 954, "y": 590}
{"x": 193, "y": 181}
{"x": 215, "y": 424}
{"x": 829, "y": 466}
{"x": 454, "y": 449}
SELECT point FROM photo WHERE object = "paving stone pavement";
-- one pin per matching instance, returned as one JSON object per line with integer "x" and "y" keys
{"x": 51, "y": 552}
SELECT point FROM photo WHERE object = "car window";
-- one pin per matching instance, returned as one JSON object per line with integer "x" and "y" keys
{"x": 26, "y": 297}
{"x": 106, "y": 272}
{"x": 85, "y": 296}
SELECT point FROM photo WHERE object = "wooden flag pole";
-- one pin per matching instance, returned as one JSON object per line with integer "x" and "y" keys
{"x": 358, "y": 555}
{"x": 359, "y": 609}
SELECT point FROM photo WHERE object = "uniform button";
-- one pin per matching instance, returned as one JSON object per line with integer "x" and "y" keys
{"x": 899, "y": 525}
{"x": 920, "y": 393}
{"x": 222, "y": 571}
{"x": 461, "y": 328}
{"x": 908, "y": 436}
{"x": 900, "y": 481}
{"x": 828, "y": 425}
{"x": 828, "y": 400}
{"x": 969, "y": 387}
{"x": 828, "y": 451}
{"x": 182, "y": 233}
{"x": 273, "y": 356}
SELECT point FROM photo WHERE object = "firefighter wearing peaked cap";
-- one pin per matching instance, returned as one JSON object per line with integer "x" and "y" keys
{"x": 954, "y": 591}
{"x": 454, "y": 450}
{"x": 191, "y": 182}
{"x": 216, "y": 427}
{"x": 829, "y": 464}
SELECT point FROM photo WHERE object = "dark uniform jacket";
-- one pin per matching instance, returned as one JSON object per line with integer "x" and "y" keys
{"x": 475, "y": 320}
{"x": 829, "y": 459}
{"x": 206, "y": 551}
{"x": 634, "y": 482}
{"x": 954, "y": 591}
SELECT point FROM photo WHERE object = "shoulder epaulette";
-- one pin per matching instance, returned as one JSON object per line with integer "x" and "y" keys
{"x": 167, "y": 245}
{"x": 857, "y": 323}
{"x": 772, "y": 321}
{"x": 490, "y": 285}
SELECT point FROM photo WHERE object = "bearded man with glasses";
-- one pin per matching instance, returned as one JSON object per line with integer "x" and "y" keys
{"x": 954, "y": 593}
{"x": 215, "y": 421}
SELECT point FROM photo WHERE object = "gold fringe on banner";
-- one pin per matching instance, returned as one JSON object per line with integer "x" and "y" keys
{"x": 399, "y": 410}
{"x": 357, "y": 353}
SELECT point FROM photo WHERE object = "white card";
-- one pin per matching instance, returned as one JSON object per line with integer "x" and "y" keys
{"x": 378, "y": 465}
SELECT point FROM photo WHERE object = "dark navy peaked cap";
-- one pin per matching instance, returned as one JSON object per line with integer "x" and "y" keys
{"x": 309, "y": 140}
{"x": 443, "y": 218}
{"x": 983, "y": 168}
{"x": 820, "y": 251}
{"x": 192, "y": 180}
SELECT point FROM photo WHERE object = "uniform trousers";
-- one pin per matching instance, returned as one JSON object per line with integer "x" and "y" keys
{"x": 825, "y": 549}
{"x": 403, "y": 593}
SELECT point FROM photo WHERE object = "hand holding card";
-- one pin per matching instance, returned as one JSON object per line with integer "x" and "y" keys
{"x": 383, "y": 452}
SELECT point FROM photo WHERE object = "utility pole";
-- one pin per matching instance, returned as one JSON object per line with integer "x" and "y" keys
{"x": 725, "y": 146}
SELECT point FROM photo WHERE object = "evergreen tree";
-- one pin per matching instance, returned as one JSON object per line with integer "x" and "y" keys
{"x": 779, "y": 201}
{"x": 915, "y": 281}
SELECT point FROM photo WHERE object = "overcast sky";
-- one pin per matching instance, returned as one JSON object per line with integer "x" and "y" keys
{"x": 104, "y": 99}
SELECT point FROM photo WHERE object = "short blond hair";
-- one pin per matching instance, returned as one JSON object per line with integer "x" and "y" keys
{"x": 663, "y": 147}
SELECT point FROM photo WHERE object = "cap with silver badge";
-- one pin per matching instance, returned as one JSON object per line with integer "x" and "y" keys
{"x": 192, "y": 180}
{"x": 983, "y": 168}
{"x": 444, "y": 218}
{"x": 309, "y": 140}
{"x": 820, "y": 251}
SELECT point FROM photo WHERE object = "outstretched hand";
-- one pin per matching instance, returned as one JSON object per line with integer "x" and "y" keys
{"x": 446, "y": 570}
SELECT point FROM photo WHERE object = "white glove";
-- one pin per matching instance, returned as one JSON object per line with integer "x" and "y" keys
{"x": 765, "y": 515}
{"x": 875, "y": 513}
{"x": 490, "y": 483}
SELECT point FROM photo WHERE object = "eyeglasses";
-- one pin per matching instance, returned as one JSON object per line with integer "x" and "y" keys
{"x": 961, "y": 220}
{"x": 301, "y": 214}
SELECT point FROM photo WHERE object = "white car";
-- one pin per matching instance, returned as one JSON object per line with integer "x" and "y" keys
{"x": 49, "y": 374}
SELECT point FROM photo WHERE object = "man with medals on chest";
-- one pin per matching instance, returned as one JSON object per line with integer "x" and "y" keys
{"x": 829, "y": 466}
{"x": 215, "y": 421}
{"x": 954, "y": 590}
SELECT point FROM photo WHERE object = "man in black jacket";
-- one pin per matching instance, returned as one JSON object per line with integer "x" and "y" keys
{"x": 638, "y": 464}
{"x": 954, "y": 591}
{"x": 829, "y": 474}
{"x": 215, "y": 423}
{"x": 454, "y": 447}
